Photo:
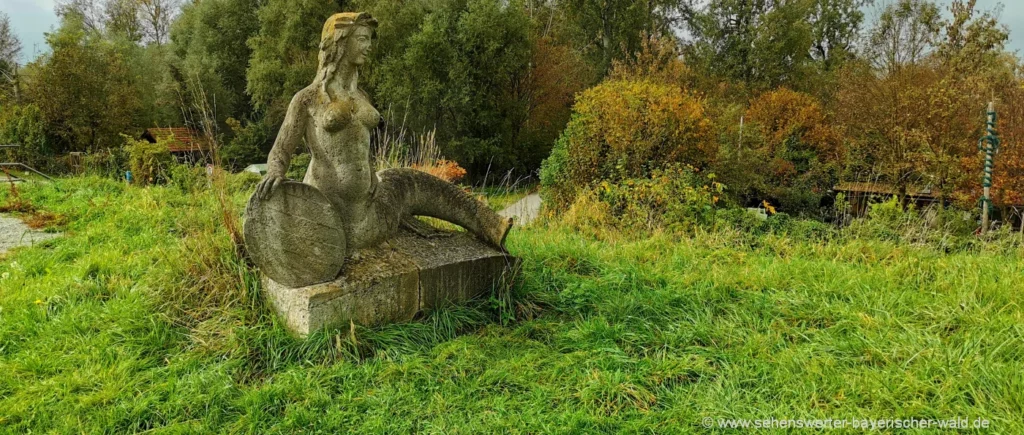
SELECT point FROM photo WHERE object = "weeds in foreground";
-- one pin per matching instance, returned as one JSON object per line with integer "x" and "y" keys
{"x": 15, "y": 202}
{"x": 44, "y": 220}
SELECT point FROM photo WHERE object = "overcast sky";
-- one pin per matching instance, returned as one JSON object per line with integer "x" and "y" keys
{"x": 31, "y": 18}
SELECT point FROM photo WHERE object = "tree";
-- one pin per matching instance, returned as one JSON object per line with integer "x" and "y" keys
{"x": 1008, "y": 174}
{"x": 611, "y": 29}
{"x": 916, "y": 115}
{"x": 556, "y": 74}
{"x": 134, "y": 19}
{"x": 904, "y": 34}
{"x": 10, "y": 48}
{"x": 284, "y": 52}
{"x": 835, "y": 25}
{"x": 161, "y": 96}
{"x": 157, "y": 16}
{"x": 764, "y": 44}
{"x": 210, "y": 43}
{"x": 121, "y": 18}
{"x": 85, "y": 88}
{"x": 887, "y": 104}
{"x": 878, "y": 112}
{"x": 800, "y": 150}
{"x": 459, "y": 71}
{"x": 23, "y": 124}
{"x": 89, "y": 12}
{"x": 974, "y": 67}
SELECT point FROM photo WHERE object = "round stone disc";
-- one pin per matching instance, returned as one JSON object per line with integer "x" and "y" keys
{"x": 295, "y": 235}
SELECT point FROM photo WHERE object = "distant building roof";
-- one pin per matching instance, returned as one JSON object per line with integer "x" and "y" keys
{"x": 883, "y": 189}
{"x": 180, "y": 139}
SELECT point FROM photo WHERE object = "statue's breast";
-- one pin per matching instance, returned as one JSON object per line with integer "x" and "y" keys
{"x": 341, "y": 113}
{"x": 366, "y": 114}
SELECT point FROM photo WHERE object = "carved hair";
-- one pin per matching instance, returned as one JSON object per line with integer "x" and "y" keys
{"x": 336, "y": 29}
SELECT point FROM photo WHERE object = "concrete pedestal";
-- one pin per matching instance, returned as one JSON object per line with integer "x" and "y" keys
{"x": 393, "y": 282}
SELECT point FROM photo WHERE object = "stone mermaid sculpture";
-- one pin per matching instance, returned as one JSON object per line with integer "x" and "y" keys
{"x": 336, "y": 120}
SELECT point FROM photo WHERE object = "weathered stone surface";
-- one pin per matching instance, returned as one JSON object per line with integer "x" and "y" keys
{"x": 335, "y": 120}
{"x": 295, "y": 235}
{"x": 302, "y": 234}
{"x": 393, "y": 282}
{"x": 453, "y": 270}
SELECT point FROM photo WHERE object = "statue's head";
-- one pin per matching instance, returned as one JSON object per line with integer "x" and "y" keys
{"x": 345, "y": 39}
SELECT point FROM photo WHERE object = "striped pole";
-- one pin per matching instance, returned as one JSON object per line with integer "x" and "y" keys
{"x": 989, "y": 144}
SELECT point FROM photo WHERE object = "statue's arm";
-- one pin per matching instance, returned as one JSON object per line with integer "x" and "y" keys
{"x": 288, "y": 139}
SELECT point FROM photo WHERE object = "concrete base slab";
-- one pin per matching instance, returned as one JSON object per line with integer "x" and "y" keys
{"x": 393, "y": 283}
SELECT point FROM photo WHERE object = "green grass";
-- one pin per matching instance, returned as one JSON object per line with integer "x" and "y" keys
{"x": 141, "y": 318}
{"x": 499, "y": 198}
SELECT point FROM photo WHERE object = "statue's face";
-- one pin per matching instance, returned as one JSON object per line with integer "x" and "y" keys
{"x": 357, "y": 45}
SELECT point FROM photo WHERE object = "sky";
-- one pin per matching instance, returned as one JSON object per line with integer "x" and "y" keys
{"x": 31, "y": 18}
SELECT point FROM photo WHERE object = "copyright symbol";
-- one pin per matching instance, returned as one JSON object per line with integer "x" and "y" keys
{"x": 707, "y": 422}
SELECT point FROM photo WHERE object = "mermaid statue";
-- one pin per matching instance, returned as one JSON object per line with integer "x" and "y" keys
{"x": 336, "y": 120}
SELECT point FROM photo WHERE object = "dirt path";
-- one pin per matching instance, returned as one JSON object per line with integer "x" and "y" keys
{"x": 524, "y": 210}
{"x": 14, "y": 233}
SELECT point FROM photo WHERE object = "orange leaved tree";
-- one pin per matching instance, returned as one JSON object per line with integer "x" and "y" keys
{"x": 623, "y": 129}
{"x": 801, "y": 151}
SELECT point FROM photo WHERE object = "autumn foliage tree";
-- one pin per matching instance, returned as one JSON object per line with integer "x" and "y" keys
{"x": 800, "y": 150}
{"x": 1008, "y": 174}
{"x": 556, "y": 75}
{"x": 914, "y": 119}
{"x": 626, "y": 129}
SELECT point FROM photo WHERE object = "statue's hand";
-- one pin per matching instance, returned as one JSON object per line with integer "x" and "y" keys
{"x": 267, "y": 185}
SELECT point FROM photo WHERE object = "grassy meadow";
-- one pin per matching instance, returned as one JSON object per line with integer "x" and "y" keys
{"x": 143, "y": 319}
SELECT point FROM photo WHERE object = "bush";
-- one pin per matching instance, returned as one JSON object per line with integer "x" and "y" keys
{"x": 108, "y": 163}
{"x": 947, "y": 229}
{"x": 247, "y": 146}
{"x": 623, "y": 130}
{"x": 243, "y": 182}
{"x": 298, "y": 166}
{"x": 677, "y": 198}
{"x": 800, "y": 153}
{"x": 24, "y": 125}
{"x": 188, "y": 178}
{"x": 150, "y": 162}
{"x": 749, "y": 224}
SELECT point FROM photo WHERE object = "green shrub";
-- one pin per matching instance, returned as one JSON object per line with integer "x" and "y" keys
{"x": 750, "y": 224}
{"x": 188, "y": 177}
{"x": 247, "y": 146}
{"x": 243, "y": 182}
{"x": 108, "y": 163}
{"x": 150, "y": 162}
{"x": 947, "y": 229}
{"x": 24, "y": 125}
{"x": 886, "y": 220}
{"x": 623, "y": 130}
{"x": 742, "y": 220}
{"x": 297, "y": 167}
{"x": 677, "y": 198}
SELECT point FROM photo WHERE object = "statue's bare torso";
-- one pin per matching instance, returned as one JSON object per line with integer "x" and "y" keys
{"x": 338, "y": 135}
